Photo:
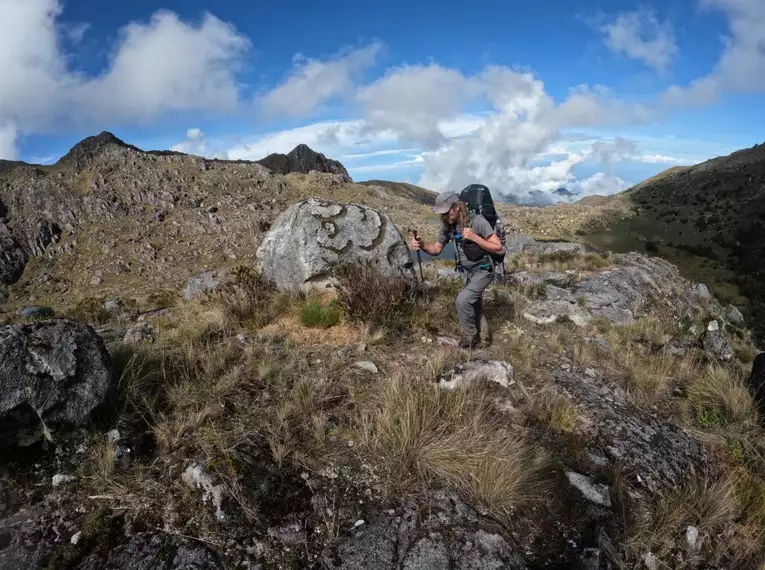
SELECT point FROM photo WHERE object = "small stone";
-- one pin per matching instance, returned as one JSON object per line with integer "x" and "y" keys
{"x": 651, "y": 562}
{"x": 113, "y": 306}
{"x": 76, "y": 537}
{"x": 36, "y": 312}
{"x": 734, "y": 316}
{"x": 447, "y": 341}
{"x": 113, "y": 436}
{"x": 358, "y": 523}
{"x": 139, "y": 333}
{"x": 362, "y": 347}
{"x": 590, "y": 372}
{"x": 713, "y": 326}
{"x": 195, "y": 477}
{"x": 60, "y": 479}
{"x": 701, "y": 291}
{"x": 367, "y": 366}
{"x": 96, "y": 281}
{"x": 593, "y": 492}
{"x": 692, "y": 537}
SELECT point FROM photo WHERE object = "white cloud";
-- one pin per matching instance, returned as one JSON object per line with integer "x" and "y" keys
{"x": 196, "y": 144}
{"x": 413, "y": 101}
{"x": 600, "y": 184}
{"x": 161, "y": 66}
{"x": 499, "y": 148}
{"x": 332, "y": 138}
{"x": 384, "y": 152}
{"x": 8, "y": 143}
{"x": 167, "y": 65}
{"x": 741, "y": 67}
{"x": 314, "y": 82}
{"x": 641, "y": 36}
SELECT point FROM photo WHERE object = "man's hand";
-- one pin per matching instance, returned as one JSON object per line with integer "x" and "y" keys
{"x": 416, "y": 243}
{"x": 469, "y": 234}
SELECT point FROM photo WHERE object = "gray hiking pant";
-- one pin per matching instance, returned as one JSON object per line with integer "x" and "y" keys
{"x": 469, "y": 303}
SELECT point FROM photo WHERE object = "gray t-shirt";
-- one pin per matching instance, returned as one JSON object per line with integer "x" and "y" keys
{"x": 480, "y": 225}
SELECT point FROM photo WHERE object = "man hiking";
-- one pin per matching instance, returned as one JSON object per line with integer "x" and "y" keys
{"x": 474, "y": 240}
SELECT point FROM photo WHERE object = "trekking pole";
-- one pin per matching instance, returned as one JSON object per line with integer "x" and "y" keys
{"x": 419, "y": 257}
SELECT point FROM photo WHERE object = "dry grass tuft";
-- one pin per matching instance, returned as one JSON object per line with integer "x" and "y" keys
{"x": 369, "y": 296}
{"x": 248, "y": 299}
{"x": 561, "y": 261}
{"x": 734, "y": 502}
{"x": 421, "y": 433}
{"x": 719, "y": 398}
{"x": 709, "y": 505}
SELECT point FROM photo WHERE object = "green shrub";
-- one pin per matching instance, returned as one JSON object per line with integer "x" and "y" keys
{"x": 314, "y": 313}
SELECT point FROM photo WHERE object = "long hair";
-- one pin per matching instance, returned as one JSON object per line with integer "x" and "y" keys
{"x": 462, "y": 215}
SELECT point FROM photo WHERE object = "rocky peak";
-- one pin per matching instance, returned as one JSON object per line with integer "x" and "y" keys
{"x": 303, "y": 159}
{"x": 90, "y": 147}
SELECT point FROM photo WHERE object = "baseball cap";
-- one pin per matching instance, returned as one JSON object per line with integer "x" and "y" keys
{"x": 444, "y": 201}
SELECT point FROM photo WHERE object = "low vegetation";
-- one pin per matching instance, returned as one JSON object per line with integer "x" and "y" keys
{"x": 227, "y": 383}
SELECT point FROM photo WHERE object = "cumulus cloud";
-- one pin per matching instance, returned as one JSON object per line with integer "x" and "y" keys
{"x": 414, "y": 100}
{"x": 313, "y": 82}
{"x": 599, "y": 184}
{"x": 167, "y": 65}
{"x": 160, "y": 66}
{"x": 196, "y": 144}
{"x": 8, "y": 143}
{"x": 642, "y": 36}
{"x": 501, "y": 148}
{"x": 741, "y": 67}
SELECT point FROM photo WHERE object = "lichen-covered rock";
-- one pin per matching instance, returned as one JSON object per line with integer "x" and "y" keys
{"x": 495, "y": 371}
{"x": 35, "y": 538}
{"x": 13, "y": 259}
{"x": 447, "y": 535}
{"x": 199, "y": 285}
{"x": 549, "y": 312}
{"x": 57, "y": 371}
{"x": 714, "y": 342}
{"x": 312, "y": 235}
{"x": 654, "y": 454}
{"x": 734, "y": 316}
{"x": 633, "y": 288}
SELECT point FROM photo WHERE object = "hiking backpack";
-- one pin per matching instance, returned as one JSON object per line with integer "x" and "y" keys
{"x": 479, "y": 201}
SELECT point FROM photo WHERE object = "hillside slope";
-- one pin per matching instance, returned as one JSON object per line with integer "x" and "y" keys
{"x": 708, "y": 219}
{"x": 110, "y": 217}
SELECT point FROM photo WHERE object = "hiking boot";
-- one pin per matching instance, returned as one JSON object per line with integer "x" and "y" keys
{"x": 467, "y": 342}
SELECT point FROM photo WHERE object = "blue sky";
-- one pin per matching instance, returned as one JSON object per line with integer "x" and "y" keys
{"x": 519, "y": 96}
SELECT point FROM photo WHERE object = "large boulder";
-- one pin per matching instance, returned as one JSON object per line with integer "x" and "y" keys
{"x": 304, "y": 159}
{"x": 57, "y": 371}
{"x": 637, "y": 286}
{"x": 310, "y": 236}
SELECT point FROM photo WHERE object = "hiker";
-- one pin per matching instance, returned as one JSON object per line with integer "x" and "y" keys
{"x": 473, "y": 242}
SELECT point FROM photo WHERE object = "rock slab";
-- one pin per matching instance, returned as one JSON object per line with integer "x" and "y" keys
{"x": 448, "y": 535}
{"x": 304, "y": 242}
{"x": 58, "y": 371}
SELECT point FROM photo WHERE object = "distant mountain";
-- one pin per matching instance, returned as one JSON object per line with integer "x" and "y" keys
{"x": 405, "y": 190}
{"x": 303, "y": 159}
{"x": 564, "y": 192}
{"x": 6, "y": 165}
{"x": 709, "y": 219}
